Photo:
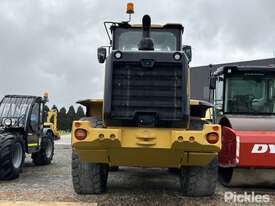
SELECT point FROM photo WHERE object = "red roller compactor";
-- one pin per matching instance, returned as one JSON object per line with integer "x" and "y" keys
{"x": 244, "y": 98}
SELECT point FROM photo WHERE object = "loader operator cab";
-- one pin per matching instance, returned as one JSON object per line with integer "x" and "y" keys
{"x": 244, "y": 90}
{"x": 126, "y": 37}
{"x": 165, "y": 39}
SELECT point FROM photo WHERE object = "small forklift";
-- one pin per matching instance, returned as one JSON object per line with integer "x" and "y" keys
{"x": 22, "y": 131}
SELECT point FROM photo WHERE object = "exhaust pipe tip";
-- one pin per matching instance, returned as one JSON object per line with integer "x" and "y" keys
{"x": 146, "y": 43}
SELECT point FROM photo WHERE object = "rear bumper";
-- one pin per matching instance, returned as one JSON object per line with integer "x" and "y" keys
{"x": 145, "y": 157}
{"x": 145, "y": 147}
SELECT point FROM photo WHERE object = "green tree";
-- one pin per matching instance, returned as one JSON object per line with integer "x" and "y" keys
{"x": 62, "y": 119}
{"x": 71, "y": 116}
{"x": 80, "y": 113}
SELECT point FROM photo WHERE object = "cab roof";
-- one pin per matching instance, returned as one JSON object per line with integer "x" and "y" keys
{"x": 21, "y": 96}
{"x": 236, "y": 68}
{"x": 155, "y": 26}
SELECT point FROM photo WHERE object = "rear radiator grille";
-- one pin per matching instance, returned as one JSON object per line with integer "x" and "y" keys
{"x": 138, "y": 89}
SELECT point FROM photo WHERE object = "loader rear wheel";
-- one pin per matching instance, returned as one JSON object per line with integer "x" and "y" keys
{"x": 12, "y": 155}
{"x": 46, "y": 152}
{"x": 88, "y": 178}
{"x": 93, "y": 121}
{"x": 199, "y": 181}
{"x": 173, "y": 170}
{"x": 113, "y": 168}
{"x": 225, "y": 175}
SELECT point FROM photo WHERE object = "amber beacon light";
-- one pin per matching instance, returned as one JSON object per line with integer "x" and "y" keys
{"x": 130, "y": 8}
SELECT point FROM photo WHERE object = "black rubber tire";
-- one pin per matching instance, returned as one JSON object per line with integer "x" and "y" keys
{"x": 198, "y": 181}
{"x": 88, "y": 178}
{"x": 8, "y": 142}
{"x": 225, "y": 175}
{"x": 94, "y": 122}
{"x": 173, "y": 170}
{"x": 113, "y": 168}
{"x": 41, "y": 157}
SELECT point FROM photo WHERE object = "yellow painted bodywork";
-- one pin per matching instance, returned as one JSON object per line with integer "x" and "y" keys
{"x": 33, "y": 145}
{"x": 146, "y": 147}
{"x": 154, "y": 26}
{"x": 93, "y": 106}
{"x": 208, "y": 114}
{"x": 51, "y": 123}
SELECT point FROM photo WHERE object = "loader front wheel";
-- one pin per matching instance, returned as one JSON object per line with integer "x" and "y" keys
{"x": 198, "y": 181}
{"x": 88, "y": 178}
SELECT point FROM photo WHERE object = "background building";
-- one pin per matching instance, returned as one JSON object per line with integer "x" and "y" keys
{"x": 200, "y": 76}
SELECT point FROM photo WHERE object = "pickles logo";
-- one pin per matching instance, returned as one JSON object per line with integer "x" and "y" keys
{"x": 246, "y": 197}
{"x": 263, "y": 148}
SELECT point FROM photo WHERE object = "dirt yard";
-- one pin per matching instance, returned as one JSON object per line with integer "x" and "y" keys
{"x": 128, "y": 186}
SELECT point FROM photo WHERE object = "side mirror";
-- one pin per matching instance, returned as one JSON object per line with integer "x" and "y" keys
{"x": 188, "y": 52}
{"x": 101, "y": 54}
{"x": 212, "y": 84}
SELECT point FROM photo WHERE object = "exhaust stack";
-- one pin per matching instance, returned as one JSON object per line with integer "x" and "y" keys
{"x": 146, "y": 43}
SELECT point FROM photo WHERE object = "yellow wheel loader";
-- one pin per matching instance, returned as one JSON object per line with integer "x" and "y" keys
{"x": 51, "y": 123}
{"x": 146, "y": 118}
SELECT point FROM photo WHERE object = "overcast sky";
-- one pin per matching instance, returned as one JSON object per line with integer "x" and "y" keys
{"x": 51, "y": 45}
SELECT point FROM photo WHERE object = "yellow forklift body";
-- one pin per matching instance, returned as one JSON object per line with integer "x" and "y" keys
{"x": 51, "y": 123}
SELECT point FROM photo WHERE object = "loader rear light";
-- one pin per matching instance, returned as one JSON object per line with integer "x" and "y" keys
{"x": 112, "y": 136}
{"x": 77, "y": 124}
{"x": 180, "y": 138}
{"x": 191, "y": 139}
{"x": 212, "y": 138}
{"x": 80, "y": 134}
{"x": 101, "y": 136}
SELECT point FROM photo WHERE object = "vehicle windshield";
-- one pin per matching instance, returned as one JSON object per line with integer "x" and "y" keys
{"x": 250, "y": 94}
{"x": 164, "y": 39}
{"x": 15, "y": 109}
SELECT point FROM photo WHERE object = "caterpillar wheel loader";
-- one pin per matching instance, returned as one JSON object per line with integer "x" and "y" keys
{"x": 51, "y": 123}
{"x": 244, "y": 97}
{"x": 146, "y": 118}
{"x": 21, "y": 132}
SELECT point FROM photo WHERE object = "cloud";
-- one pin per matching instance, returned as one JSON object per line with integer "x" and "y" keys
{"x": 51, "y": 45}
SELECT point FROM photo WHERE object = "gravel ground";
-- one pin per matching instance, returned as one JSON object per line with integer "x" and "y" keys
{"x": 128, "y": 186}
